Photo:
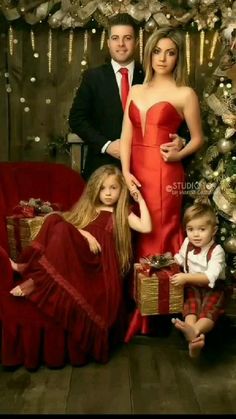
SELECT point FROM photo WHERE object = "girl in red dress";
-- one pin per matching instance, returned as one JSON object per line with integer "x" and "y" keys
{"x": 74, "y": 268}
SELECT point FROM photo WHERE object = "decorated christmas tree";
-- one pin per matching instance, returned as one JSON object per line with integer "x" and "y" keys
{"x": 214, "y": 169}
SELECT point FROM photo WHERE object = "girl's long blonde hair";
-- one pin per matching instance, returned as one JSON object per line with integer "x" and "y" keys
{"x": 85, "y": 210}
{"x": 177, "y": 37}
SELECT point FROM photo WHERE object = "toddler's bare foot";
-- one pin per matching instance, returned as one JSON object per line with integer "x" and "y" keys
{"x": 188, "y": 331}
{"x": 17, "y": 291}
{"x": 196, "y": 346}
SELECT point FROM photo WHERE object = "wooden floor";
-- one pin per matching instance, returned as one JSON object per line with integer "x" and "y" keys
{"x": 149, "y": 375}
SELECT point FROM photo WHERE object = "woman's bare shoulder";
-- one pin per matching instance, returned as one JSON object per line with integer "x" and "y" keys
{"x": 187, "y": 92}
{"x": 136, "y": 87}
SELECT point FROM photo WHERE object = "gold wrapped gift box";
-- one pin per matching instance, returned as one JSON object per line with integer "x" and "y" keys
{"x": 154, "y": 293}
{"x": 21, "y": 231}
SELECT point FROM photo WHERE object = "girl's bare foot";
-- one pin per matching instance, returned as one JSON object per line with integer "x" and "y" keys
{"x": 17, "y": 267}
{"x": 196, "y": 346}
{"x": 17, "y": 291}
{"x": 188, "y": 331}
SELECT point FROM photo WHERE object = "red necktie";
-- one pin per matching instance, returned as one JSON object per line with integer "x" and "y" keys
{"x": 124, "y": 85}
{"x": 196, "y": 249}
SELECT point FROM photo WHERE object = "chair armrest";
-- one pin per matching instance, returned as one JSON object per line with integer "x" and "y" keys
{"x": 6, "y": 271}
{"x": 78, "y": 152}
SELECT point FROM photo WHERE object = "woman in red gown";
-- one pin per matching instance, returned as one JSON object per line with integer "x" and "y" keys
{"x": 155, "y": 110}
{"x": 73, "y": 269}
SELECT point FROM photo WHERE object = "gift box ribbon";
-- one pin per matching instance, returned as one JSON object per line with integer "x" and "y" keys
{"x": 164, "y": 276}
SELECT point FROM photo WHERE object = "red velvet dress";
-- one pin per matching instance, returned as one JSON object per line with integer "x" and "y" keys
{"x": 161, "y": 182}
{"x": 80, "y": 290}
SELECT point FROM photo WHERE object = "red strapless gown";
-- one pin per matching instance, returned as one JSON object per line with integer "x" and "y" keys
{"x": 161, "y": 185}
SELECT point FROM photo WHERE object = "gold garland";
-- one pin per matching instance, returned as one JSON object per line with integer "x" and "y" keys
{"x": 202, "y": 13}
{"x": 228, "y": 189}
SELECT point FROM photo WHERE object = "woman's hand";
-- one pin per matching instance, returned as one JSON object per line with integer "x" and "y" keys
{"x": 170, "y": 154}
{"x": 131, "y": 181}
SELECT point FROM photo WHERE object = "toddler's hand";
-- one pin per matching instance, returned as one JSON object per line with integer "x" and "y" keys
{"x": 178, "y": 279}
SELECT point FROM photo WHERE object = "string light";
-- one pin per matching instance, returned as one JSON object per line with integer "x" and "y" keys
{"x": 213, "y": 45}
{"x": 85, "y": 41}
{"x": 32, "y": 39}
{"x": 70, "y": 47}
{"x": 202, "y": 40}
{"x": 187, "y": 44}
{"x": 10, "y": 37}
{"x": 50, "y": 51}
{"x": 141, "y": 45}
{"x": 102, "y": 40}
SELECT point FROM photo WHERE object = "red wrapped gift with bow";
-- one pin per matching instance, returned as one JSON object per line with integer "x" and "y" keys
{"x": 25, "y": 223}
{"x": 153, "y": 291}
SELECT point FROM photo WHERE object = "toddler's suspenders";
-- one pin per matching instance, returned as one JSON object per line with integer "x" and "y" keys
{"x": 208, "y": 256}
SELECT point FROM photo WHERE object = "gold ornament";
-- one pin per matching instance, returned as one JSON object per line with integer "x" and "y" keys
{"x": 230, "y": 245}
{"x": 225, "y": 146}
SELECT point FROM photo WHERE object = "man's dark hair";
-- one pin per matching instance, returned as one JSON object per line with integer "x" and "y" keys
{"x": 123, "y": 19}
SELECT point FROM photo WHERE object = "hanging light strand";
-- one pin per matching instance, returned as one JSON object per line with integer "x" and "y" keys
{"x": 213, "y": 44}
{"x": 102, "y": 40}
{"x": 70, "y": 45}
{"x": 10, "y": 40}
{"x": 50, "y": 51}
{"x": 187, "y": 44}
{"x": 32, "y": 39}
{"x": 141, "y": 45}
{"x": 202, "y": 42}
{"x": 85, "y": 41}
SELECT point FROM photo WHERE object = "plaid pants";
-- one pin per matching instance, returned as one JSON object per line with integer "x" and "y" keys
{"x": 204, "y": 302}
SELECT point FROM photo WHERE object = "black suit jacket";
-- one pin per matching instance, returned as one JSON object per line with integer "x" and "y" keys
{"x": 96, "y": 114}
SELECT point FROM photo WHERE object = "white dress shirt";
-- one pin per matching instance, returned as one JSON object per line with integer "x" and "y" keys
{"x": 116, "y": 67}
{"x": 197, "y": 263}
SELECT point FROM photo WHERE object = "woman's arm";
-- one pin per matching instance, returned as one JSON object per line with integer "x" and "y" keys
{"x": 192, "y": 117}
{"x": 142, "y": 224}
{"x": 125, "y": 145}
{"x": 191, "y": 112}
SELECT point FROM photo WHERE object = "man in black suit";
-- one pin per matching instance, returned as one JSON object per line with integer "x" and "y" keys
{"x": 96, "y": 114}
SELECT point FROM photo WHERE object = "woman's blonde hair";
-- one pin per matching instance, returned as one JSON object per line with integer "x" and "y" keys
{"x": 178, "y": 38}
{"x": 85, "y": 210}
